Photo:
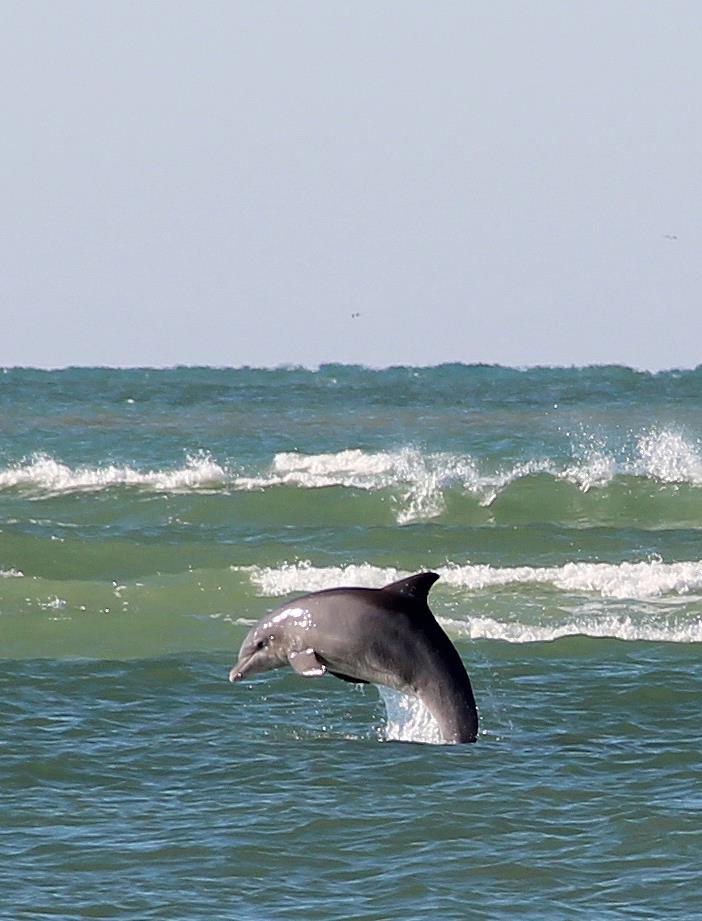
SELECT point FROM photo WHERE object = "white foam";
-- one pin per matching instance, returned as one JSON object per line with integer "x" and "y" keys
{"x": 11, "y": 573}
{"x": 652, "y": 601}
{"x": 43, "y": 473}
{"x": 419, "y": 481}
{"x": 622, "y": 627}
{"x": 638, "y": 584}
{"x": 353, "y": 468}
{"x": 422, "y": 479}
{"x": 645, "y": 579}
{"x": 419, "y": 478}
{"x": 304, "y": 577}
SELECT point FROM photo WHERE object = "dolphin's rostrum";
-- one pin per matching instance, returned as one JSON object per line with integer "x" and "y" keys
{"x": 384, "y": 636}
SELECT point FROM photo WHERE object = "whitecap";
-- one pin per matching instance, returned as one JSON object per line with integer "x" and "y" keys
{"x": 420, "y": 479}
{"x": 638, "y": 580}
{"x": 304, "y": 577}
{"x": 626, "y": 627}
{"x": 44, "y": 473}
{"x": 643, "y": 579}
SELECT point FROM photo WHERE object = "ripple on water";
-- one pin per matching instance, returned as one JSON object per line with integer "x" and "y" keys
{"x": 275, "y": 798}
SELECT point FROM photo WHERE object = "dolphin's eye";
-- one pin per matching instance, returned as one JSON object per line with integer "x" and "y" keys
{"x": 260, "y": 644}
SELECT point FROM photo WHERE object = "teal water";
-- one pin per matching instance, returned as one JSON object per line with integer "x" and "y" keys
{"x": 148, "y": 517}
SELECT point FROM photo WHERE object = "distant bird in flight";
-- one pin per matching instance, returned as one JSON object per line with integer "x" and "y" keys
{"x": 670, "y": 236}
{"x": 354, "y": 316}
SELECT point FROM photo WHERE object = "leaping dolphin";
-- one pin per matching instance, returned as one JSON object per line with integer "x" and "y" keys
{"x": 382, "y": 636}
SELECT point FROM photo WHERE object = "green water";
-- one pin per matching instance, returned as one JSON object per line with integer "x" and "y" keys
{"x": 148, "y": 517}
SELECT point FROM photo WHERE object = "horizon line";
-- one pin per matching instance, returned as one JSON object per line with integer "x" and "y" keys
{"x": 315, "y": 368}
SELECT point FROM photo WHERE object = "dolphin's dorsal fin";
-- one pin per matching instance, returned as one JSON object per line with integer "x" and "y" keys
{"x": 415, "y": 587}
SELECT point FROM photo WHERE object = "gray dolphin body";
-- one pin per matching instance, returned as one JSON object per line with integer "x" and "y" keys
{"x": 382, "y": 636}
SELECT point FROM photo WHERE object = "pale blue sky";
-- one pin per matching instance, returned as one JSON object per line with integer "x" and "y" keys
{"x": 228, "y": 182}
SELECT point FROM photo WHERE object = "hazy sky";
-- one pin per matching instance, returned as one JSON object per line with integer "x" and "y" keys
{"x": 228, "y": 182}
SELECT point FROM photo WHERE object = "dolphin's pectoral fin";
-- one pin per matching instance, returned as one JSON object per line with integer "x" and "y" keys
{"x": 348, "y": 678}
{"x": 306, "y": 663}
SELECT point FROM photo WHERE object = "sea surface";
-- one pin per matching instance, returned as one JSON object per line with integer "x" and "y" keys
{"x": 149, "y": 517}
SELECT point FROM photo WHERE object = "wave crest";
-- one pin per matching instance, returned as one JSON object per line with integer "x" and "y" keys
{"x": 632, "y": 608}
{"x": 420, "y": 483}
{"x": 420, "y": 479}
{"x": 621, "y": 627}
{"x": 42, "y": 472}
{"x": 645, "y": 579}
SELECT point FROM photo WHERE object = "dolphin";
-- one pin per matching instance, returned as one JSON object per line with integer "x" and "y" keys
{"x": 384, "y": 636}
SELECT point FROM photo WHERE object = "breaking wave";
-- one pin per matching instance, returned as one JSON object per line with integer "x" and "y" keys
{"x": 420, "y": 483}
{"x": 42, "y": 473}
{"x": 629, "y": 628}
{"x": 664, "y": 456}
{"x": 644, "y": 601}
{"x": 645, "y": 579}
{"x": 420, "y": 478}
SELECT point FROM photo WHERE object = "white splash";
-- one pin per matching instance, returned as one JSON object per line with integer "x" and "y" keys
{"x": 661, "y": 455}
{"x": 407, "y": 719}
{"x": 11, "y": 573}
{"x": 53, "y": 604}
{"x": 595, "y": 469}
{"x": 667, "y": 456}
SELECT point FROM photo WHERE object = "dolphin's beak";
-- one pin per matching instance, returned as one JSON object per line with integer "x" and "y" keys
{"x": 239, "y": 670}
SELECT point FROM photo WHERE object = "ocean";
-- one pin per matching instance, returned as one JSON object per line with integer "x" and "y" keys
{"x": 149, "y": 517}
